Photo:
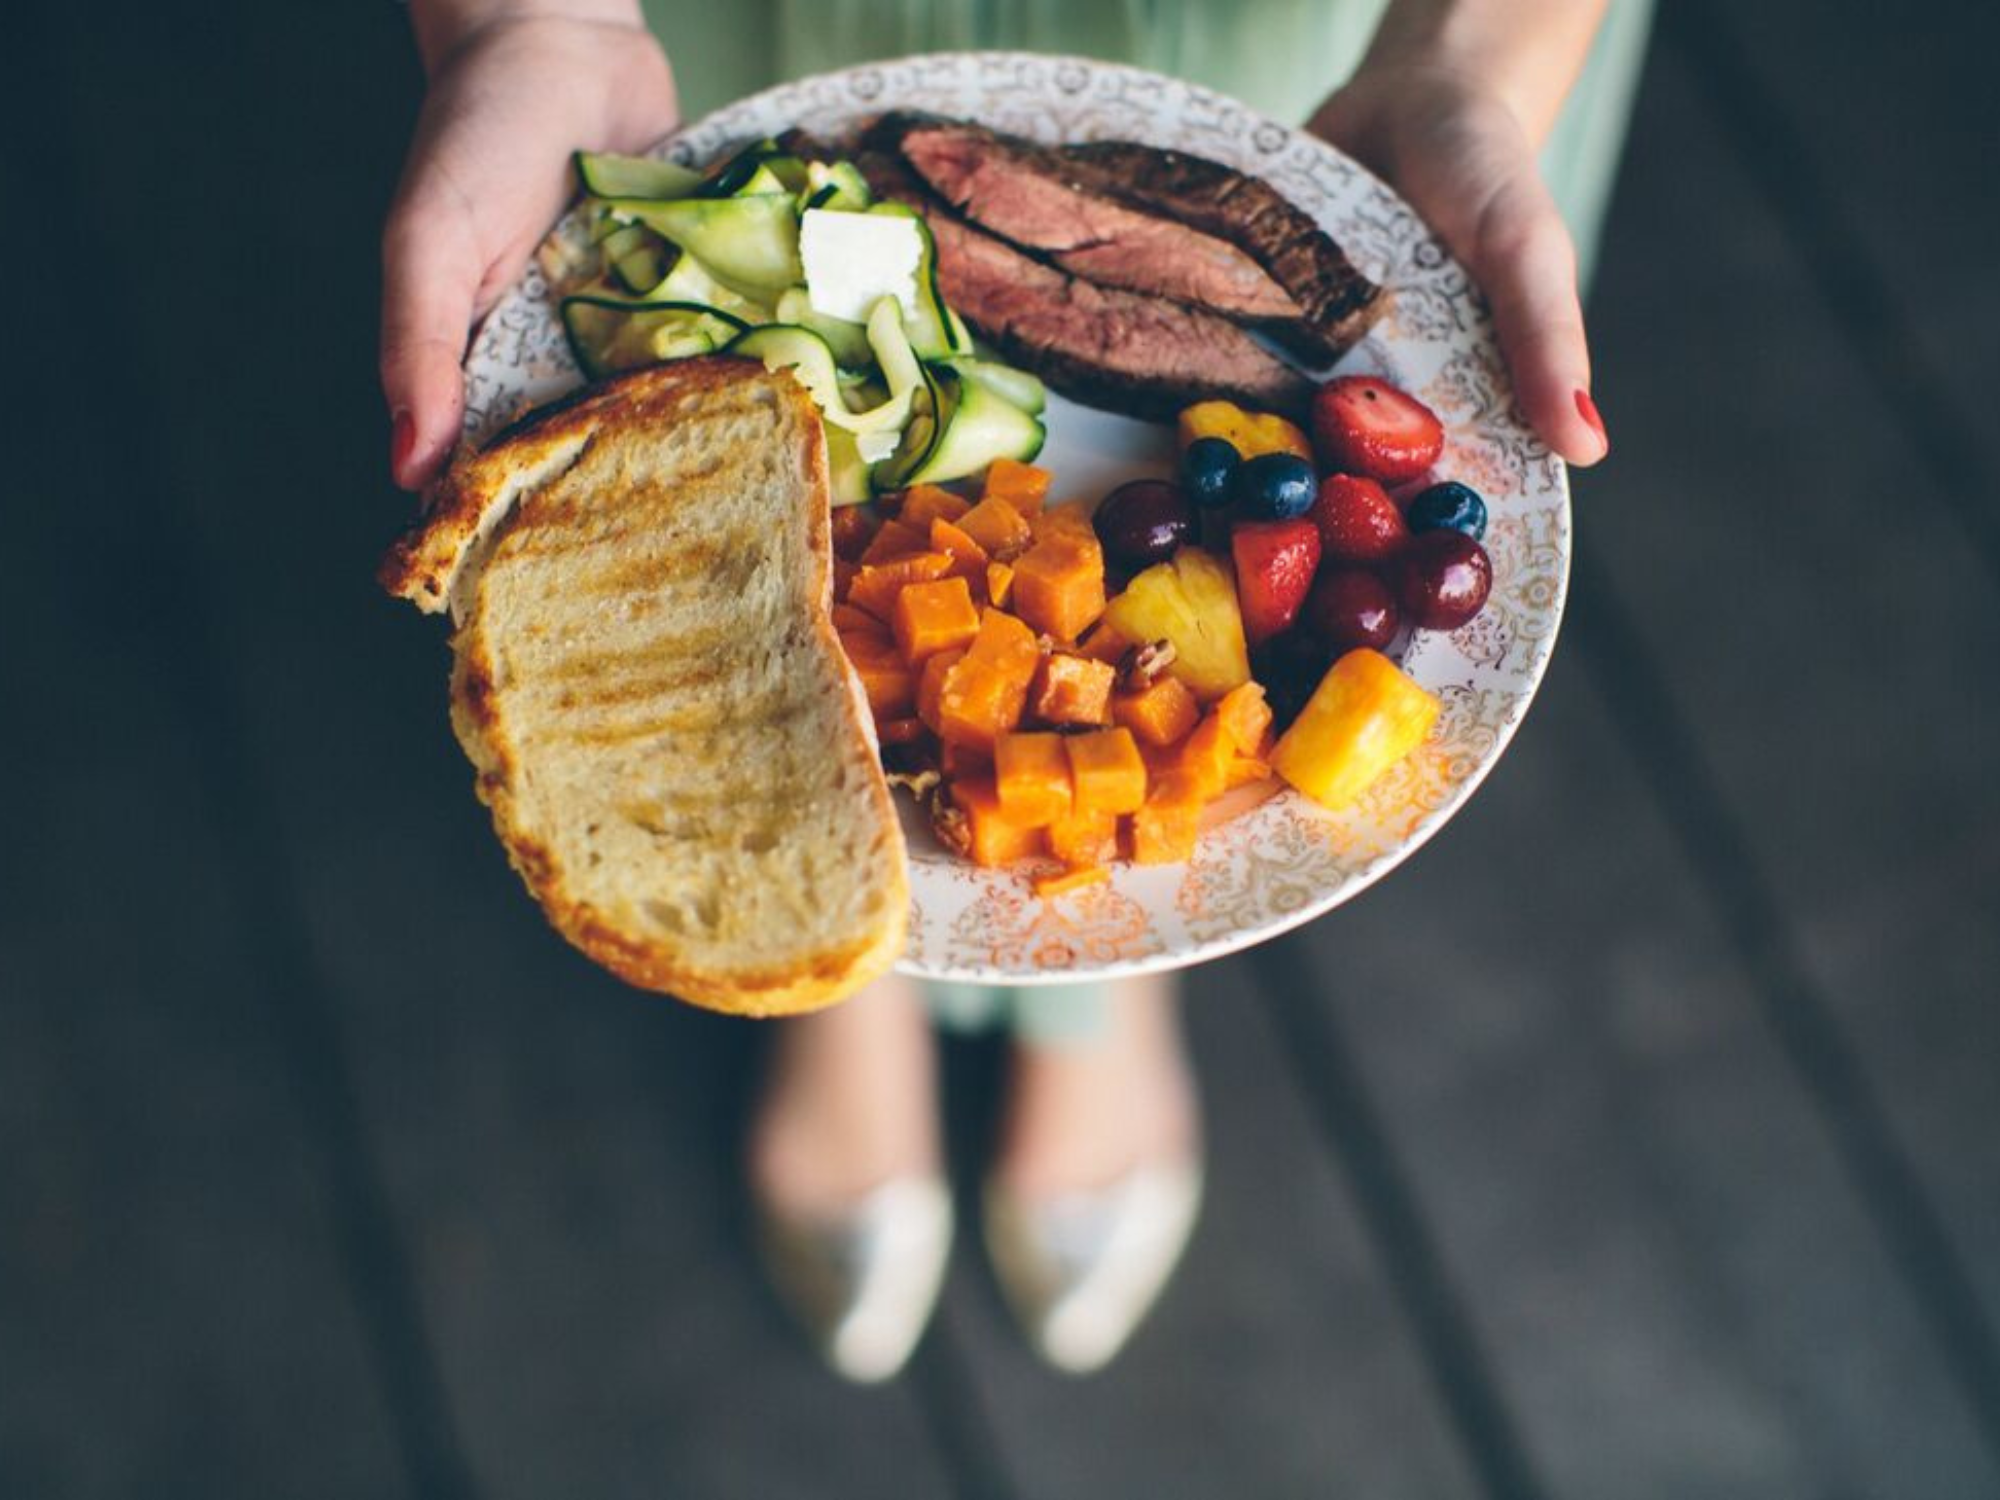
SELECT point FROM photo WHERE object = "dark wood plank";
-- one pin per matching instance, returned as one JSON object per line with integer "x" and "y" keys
{"x": 1837, "y": 692}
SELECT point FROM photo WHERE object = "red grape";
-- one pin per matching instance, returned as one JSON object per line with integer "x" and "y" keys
{"x": 1443, "y": 578}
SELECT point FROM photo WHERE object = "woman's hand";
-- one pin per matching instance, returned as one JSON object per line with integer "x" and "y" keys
{"x": 1463, "y": 156}
{"x": 509, "y": 100}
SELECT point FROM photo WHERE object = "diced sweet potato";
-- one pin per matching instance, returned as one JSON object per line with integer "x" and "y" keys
{"x": 1364, "y": 716}
{"x": 924, "y": 503}
{"x": 930, "y": 685}
{"x": 1059, "y": 583}
{"x": 1245, "y": 769}
{"x": 933, "y": 617}
{"x": 1084, "y": 838}
{"x": 968, "y": 558}
{"x": 876, "y": 586}
{"x": 853, "y": 529}
{"x": 891, "y": 686}
{"x": 1031, "y": 773}
{"x": 998, "y": 527}
{"x": 1062, "y": 520}
{"x": 1205, "y": 756}
{"x": 957, "y": 762}
{"x": 995, "y": 838}
{"x": 999, "y": 584}
{"x": 847, "y": 617}
{"x": 896, "y": 539}
{"x": 1107, "y": 771}
{"x": 1165, "y": 828}
{"x": 1158, "y": 715}
{"x": 1061, "y": 882}
{"x": 1071, "y": 689}
{"x": 843, "y": 576}
{"x": 1245, "y": 716}
{"x": 984, "y": 694}
{"x": 1022, "y": 486}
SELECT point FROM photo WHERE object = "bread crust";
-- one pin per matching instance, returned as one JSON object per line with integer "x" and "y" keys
{"x": 425, "y": 567}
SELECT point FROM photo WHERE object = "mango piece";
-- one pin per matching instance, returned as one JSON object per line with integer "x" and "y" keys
{"x": 1031, "y": 773}
{"x": 1072, "y": 689}
{"x": 925, "y": 503}
{"x": 998, "y": 527}
{"x": 1191, "y": 602}
{"x": 1059, "y": 583}
{"x": 1107, "y": 771}
{"x": 996, "y": 839}
{"x": 1165, "y": 828}
{"x": 1245, "y": 769}
{"x": 1022, "y": 486}
{"x": 1364, "y": 716}
{"x": 1158, "y": 715}
{"x": 1250, "y": 433}
{"x": 933, "y": 617}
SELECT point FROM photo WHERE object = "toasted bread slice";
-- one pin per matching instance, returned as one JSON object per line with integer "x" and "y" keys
{"x": 676, "y": 754}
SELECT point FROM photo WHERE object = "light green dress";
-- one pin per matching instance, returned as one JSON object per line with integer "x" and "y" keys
{"x": 1281, "y": 56}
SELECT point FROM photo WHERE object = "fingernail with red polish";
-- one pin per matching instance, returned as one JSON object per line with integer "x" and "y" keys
{"x": 1587, "y": 409}
{"x": 402, "y": 441}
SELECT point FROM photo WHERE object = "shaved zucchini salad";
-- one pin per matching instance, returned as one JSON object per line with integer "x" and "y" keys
{"x": 793, "y": 262}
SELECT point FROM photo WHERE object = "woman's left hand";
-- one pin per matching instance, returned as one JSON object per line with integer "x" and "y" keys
{"x": 1463, "y": 159}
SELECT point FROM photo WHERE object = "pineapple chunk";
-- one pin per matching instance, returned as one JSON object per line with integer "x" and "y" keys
{"x": 1190, "y": 601}
{"x": 1364, "y": 716}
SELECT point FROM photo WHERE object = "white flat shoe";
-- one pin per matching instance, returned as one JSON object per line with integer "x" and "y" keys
{"x": 1082, "y": 1270}
{"x": 863, "y": 1284}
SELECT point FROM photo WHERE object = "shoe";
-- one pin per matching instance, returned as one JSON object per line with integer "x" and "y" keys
{"x": 1081, "y": 1271}
{"x": 863, "y": 1283}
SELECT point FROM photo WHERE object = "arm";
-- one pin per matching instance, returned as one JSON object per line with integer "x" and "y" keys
{"x": 1451, "y": 103}
{"x": 515, "y": 86}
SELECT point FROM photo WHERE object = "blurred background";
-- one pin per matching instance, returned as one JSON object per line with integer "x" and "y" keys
{"x": 1640, "y": 1138}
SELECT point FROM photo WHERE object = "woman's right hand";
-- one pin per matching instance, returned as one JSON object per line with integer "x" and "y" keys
{"x": 488, "y": 173}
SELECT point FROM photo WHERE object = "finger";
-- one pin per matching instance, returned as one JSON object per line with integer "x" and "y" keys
{"x": 1522, "y": 256}
{"x": 430, "y": 278}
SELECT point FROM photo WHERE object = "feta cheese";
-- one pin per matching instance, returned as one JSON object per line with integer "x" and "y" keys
{"x": 876, "y": 446}
{"x": 853, "y": 260}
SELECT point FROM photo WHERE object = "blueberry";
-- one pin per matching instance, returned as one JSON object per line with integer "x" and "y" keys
{"x": 1450, "y": 506}
{"x": 1273, "y": 487}
{"x": 1206, "y": 468}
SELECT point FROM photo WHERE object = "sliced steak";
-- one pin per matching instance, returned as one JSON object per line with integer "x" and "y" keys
{"x": 1020, "y": 191}
{"x": 1337, "y": 300}
{"x": 1111, "y": 348}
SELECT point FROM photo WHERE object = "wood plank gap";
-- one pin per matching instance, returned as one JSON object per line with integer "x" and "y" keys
{"x": 1859, "y": 298}
{"x": 1751, "y": 916}
{"x": 940, "y": 1377}
{"x": 271, "y": 927}
{"x": 1350, "y": 1125}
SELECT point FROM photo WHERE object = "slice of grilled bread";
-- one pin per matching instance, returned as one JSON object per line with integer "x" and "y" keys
{"x": 676, "y": 754}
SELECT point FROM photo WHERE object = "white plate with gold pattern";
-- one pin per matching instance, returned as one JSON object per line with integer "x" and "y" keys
{"x": 1285, "y": 860}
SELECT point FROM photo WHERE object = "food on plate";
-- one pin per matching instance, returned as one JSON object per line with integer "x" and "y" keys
{"x": 1190, "y": 603}
{"x": 1250, "y": 433}
{"x": 1364, "y": 425}
{"x": 1272, "y": 487}
{"x": 1358, "y": 521}
{"x": 794, "y": 263}
{"x": 1451, "y": 505}
{"x": 1275, "y": 564}
{"x": 1208, "y": 465}
{"x": 647, "y": 681}
{"x": 1365, "y": 716}
{"x": 1351, "y": 607}
{"x": 1442, "y": 579}
{"x": 1144, "y": 522}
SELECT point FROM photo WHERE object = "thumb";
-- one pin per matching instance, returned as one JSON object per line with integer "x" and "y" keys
{"x": 430, "y": 279}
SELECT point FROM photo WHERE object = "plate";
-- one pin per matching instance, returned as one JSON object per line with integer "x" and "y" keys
{"x": 1286, "y": 860}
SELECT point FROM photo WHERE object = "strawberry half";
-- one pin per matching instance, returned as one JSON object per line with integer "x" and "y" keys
{"x": 1275, "y": 563}
{"x": 1362, "y": 425}
{"x": 1357, "y": 520}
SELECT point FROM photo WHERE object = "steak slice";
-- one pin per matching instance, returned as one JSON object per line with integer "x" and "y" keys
{"x": 1104, "y": 346}
{"x": 1337, "y": 301}
{"x": 1022, "y": 192}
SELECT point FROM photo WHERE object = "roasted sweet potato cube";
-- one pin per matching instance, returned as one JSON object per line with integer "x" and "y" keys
{"x": 1165, "y": 828}
{"x": 1071, "y": 689}
{"x": 1031, "y": 772}
{"x": 958, "y": 762}
{"x": 924, "y": 503}
{"x": 968, "y": 558}
{"x": 930, "y": 685}
{"x": 995, "y": 838}
{"x": 1062, "y": 520}
{"x": 1061, "y": 882}
{"x": 846, "y": 617}
{"x": 983, "y": 695}
{"x": 1107, "y": 772}
{"x": 998, "y": 527}
{"x": 1158, "y": 715}
{"x": 1084, "y": 838}
{"x": 999, "y": 584}
{"x": 890, "y": 685}
{"x": 1245, "y": 716}
{"x": 876, "y": 586}
{"x": 933, "y": 617}
{"x": 896, "y": 539}
{"x": 853, "y": 529}
{"x": 1059, "y": 584}
{"x": 1022, "y": 486}
{"x": 1245, "y": 769}
{"x": 1205, "y": 755}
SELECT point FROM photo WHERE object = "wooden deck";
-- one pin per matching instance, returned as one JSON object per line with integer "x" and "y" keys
{"x": 1641, "y": 1138}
